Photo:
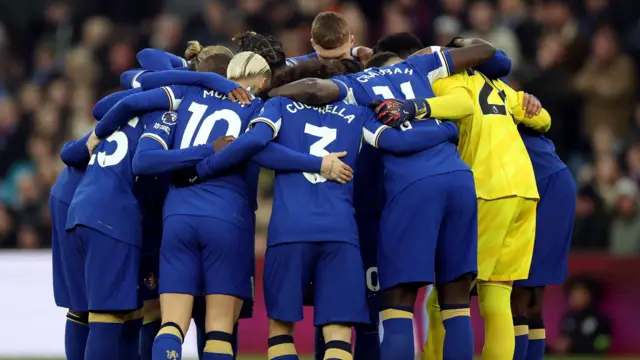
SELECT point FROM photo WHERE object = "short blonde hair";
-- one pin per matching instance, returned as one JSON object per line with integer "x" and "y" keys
{"x": 247, "y": 64}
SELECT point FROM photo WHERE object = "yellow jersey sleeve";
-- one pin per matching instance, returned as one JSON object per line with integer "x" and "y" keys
{"x": 453, "y": 98}
{"x": 540, "y": 122}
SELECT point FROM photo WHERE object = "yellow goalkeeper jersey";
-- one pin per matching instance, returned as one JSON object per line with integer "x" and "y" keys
{"x": 489, "y": 139}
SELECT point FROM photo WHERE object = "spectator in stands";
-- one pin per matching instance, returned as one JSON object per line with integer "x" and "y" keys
{"x": 591, "y": 231}
{"x": 585, "y": 330}
{"x": 484, "y": 25}
{"x": 551, "y": 82}
{"x": 625, "y": 229}
{"x": 607, "y": 83}
{"x": 558, "y": 19}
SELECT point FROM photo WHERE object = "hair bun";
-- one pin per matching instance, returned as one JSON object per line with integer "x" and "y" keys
{"x": 193, "y": 50}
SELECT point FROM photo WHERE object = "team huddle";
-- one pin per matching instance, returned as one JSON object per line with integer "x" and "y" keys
{"x": 395, "y": 167}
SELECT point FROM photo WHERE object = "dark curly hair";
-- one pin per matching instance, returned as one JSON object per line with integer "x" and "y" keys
{"x": 315, "y": 68}
{"x": 264, "y": 45}
{"x": 381, "y": 58}
{"x": 404, "y": 44}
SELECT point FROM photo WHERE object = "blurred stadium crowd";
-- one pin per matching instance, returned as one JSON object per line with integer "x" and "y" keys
{"x": 580, "y": 58}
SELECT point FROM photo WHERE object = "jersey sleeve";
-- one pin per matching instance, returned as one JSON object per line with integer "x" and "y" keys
{"x": 240, "y": 150}
{"x": 270, "y": 114}
{"x": 453, "y": 99}
{"x": 162, "y": 129}
{"x": 75, "y": 152}
{"x": 281, "y": 158}
{"x": 540, "y": 122}
{"x": 109, "y": 101}
{"x": 498, "y": 66}
{"x": 432, "y": 66}
{"x": 407, "y": 139}
{"x": 130, "y": 78}
{"x": 191, "y": 78}
{"x": 158, "y": 60}
{"x": 164, "y": 98}
{"x": 151, "y": 158}
{"x": 346, "y": 89}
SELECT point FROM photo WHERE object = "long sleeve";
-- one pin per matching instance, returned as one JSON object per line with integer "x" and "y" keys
{"x": 243, "y": 148}
{"x": 453, "y": 100}
{"x": 109, "y": 101}
{"x": 417, "y": 139}
{"x": 75, "y": 153}
{"x": 129, "y": 79}
{"x": 541, "y": 122}
{"x": 158, "y": 60}
{"x": 152, "y": 159}
{"x": 423, "y": 136}
{"x": 281, "y": 158}
{"x": 498, "y": 66}
{"x": 131, "y": 106}
{"x": 176, "y": 77}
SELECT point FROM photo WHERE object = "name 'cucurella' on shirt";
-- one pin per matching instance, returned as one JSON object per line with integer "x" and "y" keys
{"x": 295, "y": 106}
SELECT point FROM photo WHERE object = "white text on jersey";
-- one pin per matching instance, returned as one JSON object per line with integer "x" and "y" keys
{"x": 326, "y": 109}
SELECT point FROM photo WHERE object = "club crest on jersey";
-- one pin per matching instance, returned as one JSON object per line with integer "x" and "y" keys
{"x": 170, "y": 118}
{"x": 172, "y": 355}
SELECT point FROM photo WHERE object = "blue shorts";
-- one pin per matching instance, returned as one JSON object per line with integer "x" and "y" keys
{"x": 429, "y": 231}
{"x": 111, "y": 270}
{"x": 202, "y": 255}
{"x": 368, "y": 233}
{"x": 554, "y": 225}
{"x": 68, "y": 264}
{"x": 336, "y": 270}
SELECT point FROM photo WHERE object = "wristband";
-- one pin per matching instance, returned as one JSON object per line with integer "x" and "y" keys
{"x": 354, "y": 51}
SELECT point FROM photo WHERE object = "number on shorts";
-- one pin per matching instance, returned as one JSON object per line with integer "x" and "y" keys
{"x": 318, "y": 148}
{"x": 202, "y": 136}
{"x": 373, "y": 282}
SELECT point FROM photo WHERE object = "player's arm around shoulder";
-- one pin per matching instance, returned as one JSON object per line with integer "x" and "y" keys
{"x": 454, "y": 98}
{"x": 540, "y": 122}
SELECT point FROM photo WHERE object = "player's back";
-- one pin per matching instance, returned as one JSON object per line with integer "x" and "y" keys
{"x": 542, "y": 153}
{"x": 489, "y": 140}
{"x": 105, "y": 198}
{"x": 405, "y": 80}
{"x": 306, "y": 206}
{"x": 67, "y": 183}
{"x": 203, "y": 116}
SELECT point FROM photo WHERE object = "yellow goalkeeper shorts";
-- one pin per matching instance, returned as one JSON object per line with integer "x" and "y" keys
{"x": 506, "y": 234}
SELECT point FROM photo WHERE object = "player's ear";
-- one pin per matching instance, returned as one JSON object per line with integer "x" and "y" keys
{"x": 313, "y": 45}
{"x": 352, "y": 39}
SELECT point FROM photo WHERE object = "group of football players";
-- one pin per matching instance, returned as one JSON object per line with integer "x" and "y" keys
{"x": 160, "y": 197}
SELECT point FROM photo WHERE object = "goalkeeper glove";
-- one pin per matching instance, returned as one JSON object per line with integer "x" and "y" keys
{"x": 394, "y": 112}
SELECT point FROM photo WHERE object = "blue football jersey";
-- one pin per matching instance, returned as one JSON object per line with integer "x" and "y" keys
{"x": 306, "y": 206}
{"x": 203, "y": 116}
{"x": 409, "y": 79}
{"x": 67, "y": 183}
{"x": 542, "y": 152}
{"x": 105, "y": 198}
